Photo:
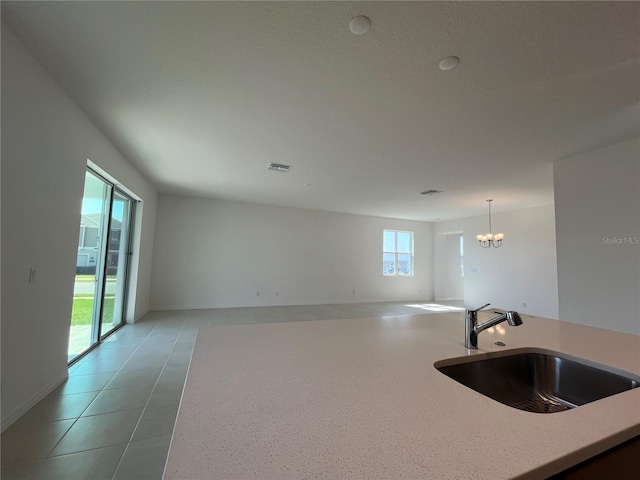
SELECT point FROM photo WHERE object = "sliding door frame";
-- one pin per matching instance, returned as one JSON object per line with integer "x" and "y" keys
{"x": 127, "y": 264}
{"x": 98, "y": 306}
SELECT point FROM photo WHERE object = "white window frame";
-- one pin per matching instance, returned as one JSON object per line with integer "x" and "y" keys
{"x": 395, "y": 254}
{"x": 462, "y": 255}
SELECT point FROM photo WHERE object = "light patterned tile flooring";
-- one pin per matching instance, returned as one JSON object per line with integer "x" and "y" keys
{"x": 114, "y": 417}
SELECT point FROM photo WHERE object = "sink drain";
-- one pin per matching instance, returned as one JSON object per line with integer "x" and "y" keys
{"x": 540, "y": 405}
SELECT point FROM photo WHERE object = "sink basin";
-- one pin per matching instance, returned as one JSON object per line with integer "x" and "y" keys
{"x": 538, "y": 380}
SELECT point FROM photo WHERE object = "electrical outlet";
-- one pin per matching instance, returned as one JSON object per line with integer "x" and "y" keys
{"x": 524, "y": 304}
{"x": 277, "y": 293}
{"x": 353, "y": 292}
{"x": 258, "y": 293}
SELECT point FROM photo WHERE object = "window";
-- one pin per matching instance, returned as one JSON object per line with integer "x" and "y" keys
{"x": 397, "y": 253}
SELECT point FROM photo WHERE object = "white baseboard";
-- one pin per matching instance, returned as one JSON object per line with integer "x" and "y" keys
{"x": 137, "y": 317}
{"x": 286, "y": 304}
{"x": 9, "y": 419}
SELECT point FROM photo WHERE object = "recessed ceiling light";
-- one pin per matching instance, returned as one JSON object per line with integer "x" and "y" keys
{"x": 449, "y": 63}
{"x": 360, "y": 25}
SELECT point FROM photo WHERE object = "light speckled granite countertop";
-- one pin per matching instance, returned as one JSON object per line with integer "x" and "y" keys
{"x": 360, "y": 399}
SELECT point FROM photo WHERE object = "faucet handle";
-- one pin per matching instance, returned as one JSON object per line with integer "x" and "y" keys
{"x": 480, "y": 308}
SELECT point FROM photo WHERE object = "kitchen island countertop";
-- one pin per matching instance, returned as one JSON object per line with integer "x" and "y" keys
{"x": 360, "y": 398}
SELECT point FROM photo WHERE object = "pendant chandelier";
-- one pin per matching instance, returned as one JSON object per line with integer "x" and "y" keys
{"x": 487, "y": 240}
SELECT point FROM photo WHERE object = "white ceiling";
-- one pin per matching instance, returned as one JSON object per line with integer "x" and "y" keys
{"x": 201, "y": 96}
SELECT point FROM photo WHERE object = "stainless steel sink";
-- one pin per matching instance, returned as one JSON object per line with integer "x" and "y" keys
{"x": 538, "y": 380}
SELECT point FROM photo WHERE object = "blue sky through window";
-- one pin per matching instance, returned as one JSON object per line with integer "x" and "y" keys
{"x": 94, "y": 205}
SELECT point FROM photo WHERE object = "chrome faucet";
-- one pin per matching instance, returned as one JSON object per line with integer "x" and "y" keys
{"x": 472, "y": 329}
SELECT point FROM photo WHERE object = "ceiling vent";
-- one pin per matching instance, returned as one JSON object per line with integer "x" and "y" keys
{"x": 279, "y": 167}
{"x": 430, "y": 192}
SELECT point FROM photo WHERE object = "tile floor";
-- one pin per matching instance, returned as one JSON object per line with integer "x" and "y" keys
{"x": 113, "y": 418}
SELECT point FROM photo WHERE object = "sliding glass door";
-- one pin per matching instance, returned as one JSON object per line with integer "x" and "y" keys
{"x": 113, "y": 306}
{"x": 101, "y": 266}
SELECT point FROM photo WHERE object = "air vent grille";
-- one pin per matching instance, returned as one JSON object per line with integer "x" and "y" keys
{"x": 279, "y": 167}
{"x": 430, "y": 192}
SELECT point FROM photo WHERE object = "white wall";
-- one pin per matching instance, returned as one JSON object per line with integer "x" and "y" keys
{"x": 448, "y": 282}
{"x": 46, "y": 141}
{"x": 523, "y": 270}
{"x": 211, "y": 253}
{"x": 598, "y": 234}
